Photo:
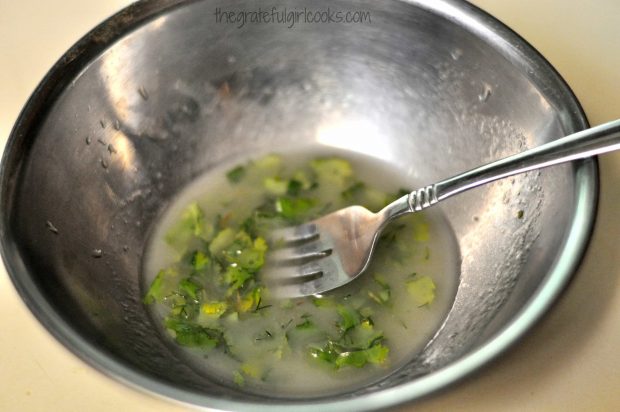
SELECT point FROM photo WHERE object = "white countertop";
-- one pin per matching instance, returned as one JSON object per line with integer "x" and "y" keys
{"x": 569, "y": 362}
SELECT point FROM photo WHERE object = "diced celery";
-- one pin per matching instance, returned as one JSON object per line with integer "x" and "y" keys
{"x": 422, "y": 290}
{"x": 236, "y": 277}
{"x": 191, "y": 225}
{"x": 269, "y": 165}
{"x": 199, "y": 260}
{"x": 162, "y": 285}
{"x": 303, "y": 179}
{"x": 189, "y": 288}
{"x": 214, "y": 308}
{"x": 222, "y": 240}
{"x": 332, "y": 170}
{"x": 249, "y": 301}
{"x": 276, "y": 186}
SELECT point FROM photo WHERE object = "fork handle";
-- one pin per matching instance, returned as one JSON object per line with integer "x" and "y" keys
{"x": 589, "y": 142}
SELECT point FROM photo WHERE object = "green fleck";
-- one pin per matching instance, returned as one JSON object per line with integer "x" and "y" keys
{"x": 520, "y": 214}
{"x": 214, "y": 308}
{"x": 353, "y": 192}
{"x": 250, "y": 370}
{"x": 261, "y": 307}
{"x": 359, "y": 193}
{"x": 222, "y": 240}
{"x": 349, "y": 318}
{"x": 334, "y": 170}
{"x": 189, "y": 334}
{"x": 339, "y": 355}
{"x": 189, "y": 288}
{"x": 236, "y": 277}
{"x": 162, "y": 286}
{"x": 377, "y": 354}
{"x": 421, "y": 231}
{"x": 276, "y": 186}
{"x": 294, "y": 187}
{"x": 302, "y": 178}
{"x": 199, "y": 260}
{"x": 294, "y": 208}
{"x": 245, "y": 253}
{"x": 190, "y": 226}
{"x": 249, "y": 301}
{"x": 306, "y": 324}
{"x": 422, "y": 290}
{"x": 269, "y": 165}
{"x": 238, "y": 378}
{"x": 236, "y": 174}
{"x": 323, "y": 302}
{"x": 384, "y": 294}
{"x": 154, "y": 294}
{"x": 328, "y": 353}
{"x": 354, "y": 358}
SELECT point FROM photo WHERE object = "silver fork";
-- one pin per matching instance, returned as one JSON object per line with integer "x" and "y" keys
{"x": 331, "y": 251}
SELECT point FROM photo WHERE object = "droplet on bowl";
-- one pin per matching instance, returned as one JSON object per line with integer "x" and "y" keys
{"x": 143, "y": 93}
{"x": 51, "y": 227}
{"x": 486, "y": 93}
{"x": 97, "y": 253}
{"x": 88, "y": 140}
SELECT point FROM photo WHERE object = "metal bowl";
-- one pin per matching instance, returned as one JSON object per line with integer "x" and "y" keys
{"x": 137, "y": 109}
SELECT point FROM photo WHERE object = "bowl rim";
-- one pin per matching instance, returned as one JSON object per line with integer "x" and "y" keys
{"x": 471, "y": 18}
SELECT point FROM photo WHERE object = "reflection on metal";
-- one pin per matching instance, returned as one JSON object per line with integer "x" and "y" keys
{"x": 358, "y": 135}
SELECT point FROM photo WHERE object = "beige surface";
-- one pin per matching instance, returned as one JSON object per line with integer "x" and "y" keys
{"x": 570, "y": 361}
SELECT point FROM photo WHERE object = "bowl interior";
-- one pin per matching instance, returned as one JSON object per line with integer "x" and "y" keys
{"x": 162, "y": 93}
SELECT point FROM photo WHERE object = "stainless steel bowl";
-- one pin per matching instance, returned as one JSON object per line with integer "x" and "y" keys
{"x": 138, "y": 108}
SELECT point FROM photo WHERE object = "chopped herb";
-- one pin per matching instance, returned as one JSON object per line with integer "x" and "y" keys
{"x": 190, "y": 334}
{"x": 235, "y": 277}
{"x": 353, "y": 191}
{"x": 259, "y": 307}
{"x": 306, "y": 324}
{"x": 333, "y": 170}
{"x": 212, "y": 297}
{"x": 199, "y": 260}
{"x": 236, "y": 174}
{"x": 189, "y": 288}
{"x": 276, "y": 186}
{"x": 294, "y": 208}
{"x": 191, "y": 226}
{"x": 294, "y": 187}
{"x": 349, "y": 318}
